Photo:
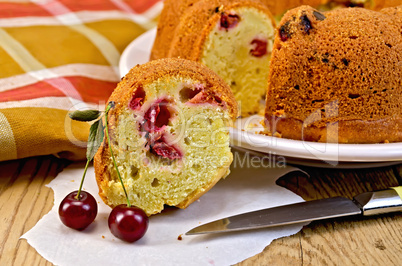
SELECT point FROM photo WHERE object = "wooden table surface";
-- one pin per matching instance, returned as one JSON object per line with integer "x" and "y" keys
{"x": 24, "y": 199}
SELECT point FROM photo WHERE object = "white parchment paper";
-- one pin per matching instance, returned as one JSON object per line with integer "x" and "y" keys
{"x": 245, "y": 189}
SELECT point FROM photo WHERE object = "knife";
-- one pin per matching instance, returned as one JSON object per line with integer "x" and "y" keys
{"x": 368, "y": 203}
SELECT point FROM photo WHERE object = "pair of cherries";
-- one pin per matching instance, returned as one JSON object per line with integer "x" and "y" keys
{"x": 79, "y": 208}
{"x": 128, "y": 223}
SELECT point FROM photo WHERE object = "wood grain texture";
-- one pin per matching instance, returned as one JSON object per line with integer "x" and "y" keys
{"x": 346, "y": 241}
{"x": 24, "y": 199}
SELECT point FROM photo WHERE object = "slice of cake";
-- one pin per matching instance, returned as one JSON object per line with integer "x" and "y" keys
{"x": 337, "y": 76}
{"x": 233, "y": 38}
{"x": 169, "y": 133}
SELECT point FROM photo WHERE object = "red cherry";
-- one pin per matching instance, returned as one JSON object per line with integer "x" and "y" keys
{"x": 157, "y": 116}
{"x": 284, "y": 32}
{"x": 166, "y": 150}
{"x": 138, "y": 99}
{"x": 128, "y": 223}
{"x": 259, "y": 47}
{"x": 229, "y": 21}
{"x": 78, "y": 214}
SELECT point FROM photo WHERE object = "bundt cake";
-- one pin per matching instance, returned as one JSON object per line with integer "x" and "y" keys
{"x": 278, "y": 8}
{"x": 233, "y": 38}
{"x": 369, "y": 4}
{"x": 337, "y": 76}
{"x": 169, "y": 134}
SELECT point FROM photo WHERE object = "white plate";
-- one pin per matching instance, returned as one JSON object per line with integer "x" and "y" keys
{"x": 299, "y": 152}
{"x": 313, "y": 153}
{"x": 137, "y": 52}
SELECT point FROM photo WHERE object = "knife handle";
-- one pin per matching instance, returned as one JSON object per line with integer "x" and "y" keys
{"x": 377, "y": 202}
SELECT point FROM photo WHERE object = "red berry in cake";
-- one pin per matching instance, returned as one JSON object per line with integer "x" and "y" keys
{"x": 150, "y": 118}
{"x": 136, "y": 103}
{"x": 284, "y": 32}
{"x": 78, "y": 213}
{"x": 259, "y": 47}
{"x": 203, "y": 97}
{"x": 157, "y": 116}
{"x": 128, "y": 223}
{"x": 155, "y": 119}
{"x": 229, "y": 21}
{"x": 138, "y": 99}
{"x": 306, "y": 23}
{"x": 166, "y": 151}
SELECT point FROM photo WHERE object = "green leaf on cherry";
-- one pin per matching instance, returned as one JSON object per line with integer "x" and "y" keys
{"x": 85, "y": 116}
{"x": 95, "y": 139}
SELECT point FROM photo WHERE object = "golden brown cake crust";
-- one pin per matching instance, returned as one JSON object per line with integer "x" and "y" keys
{"x": 279, "y": 7}
{"x": 379, "y": 131}
{"x": 174, "y": 10}
{"x": 184, "y": 25}
{"x": 190, "y": 36}
{"x": 168, "y": 21}
{"x": 343, "y": 67}
{"x": 138, "y": 77}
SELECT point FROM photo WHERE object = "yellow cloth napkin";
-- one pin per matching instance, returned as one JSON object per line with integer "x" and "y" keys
{"x": 57, "y": 57}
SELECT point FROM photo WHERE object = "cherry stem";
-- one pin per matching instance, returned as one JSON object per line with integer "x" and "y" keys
{"x": 82, "y": 181}
{"x": 111, "y": 152}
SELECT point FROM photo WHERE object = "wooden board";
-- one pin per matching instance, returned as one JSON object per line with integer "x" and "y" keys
{"x": 24, "y": 199}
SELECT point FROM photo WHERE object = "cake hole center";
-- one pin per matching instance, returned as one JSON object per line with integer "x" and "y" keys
{"x": 187, "y": 94}
{"x": 134, "y": 172}
{"x": 353, "y": 95}
{"x": 155, "y": 183}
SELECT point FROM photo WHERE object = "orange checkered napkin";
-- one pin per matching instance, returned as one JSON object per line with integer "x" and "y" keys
{"x": 57, "y": 56}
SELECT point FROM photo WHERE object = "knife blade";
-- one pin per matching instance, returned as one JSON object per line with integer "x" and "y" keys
{"x": 368, "y": 203}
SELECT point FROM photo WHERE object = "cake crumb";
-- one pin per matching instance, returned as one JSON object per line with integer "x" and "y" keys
{"x": 180, "y": 237}
{"x": 251, "y": 126}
